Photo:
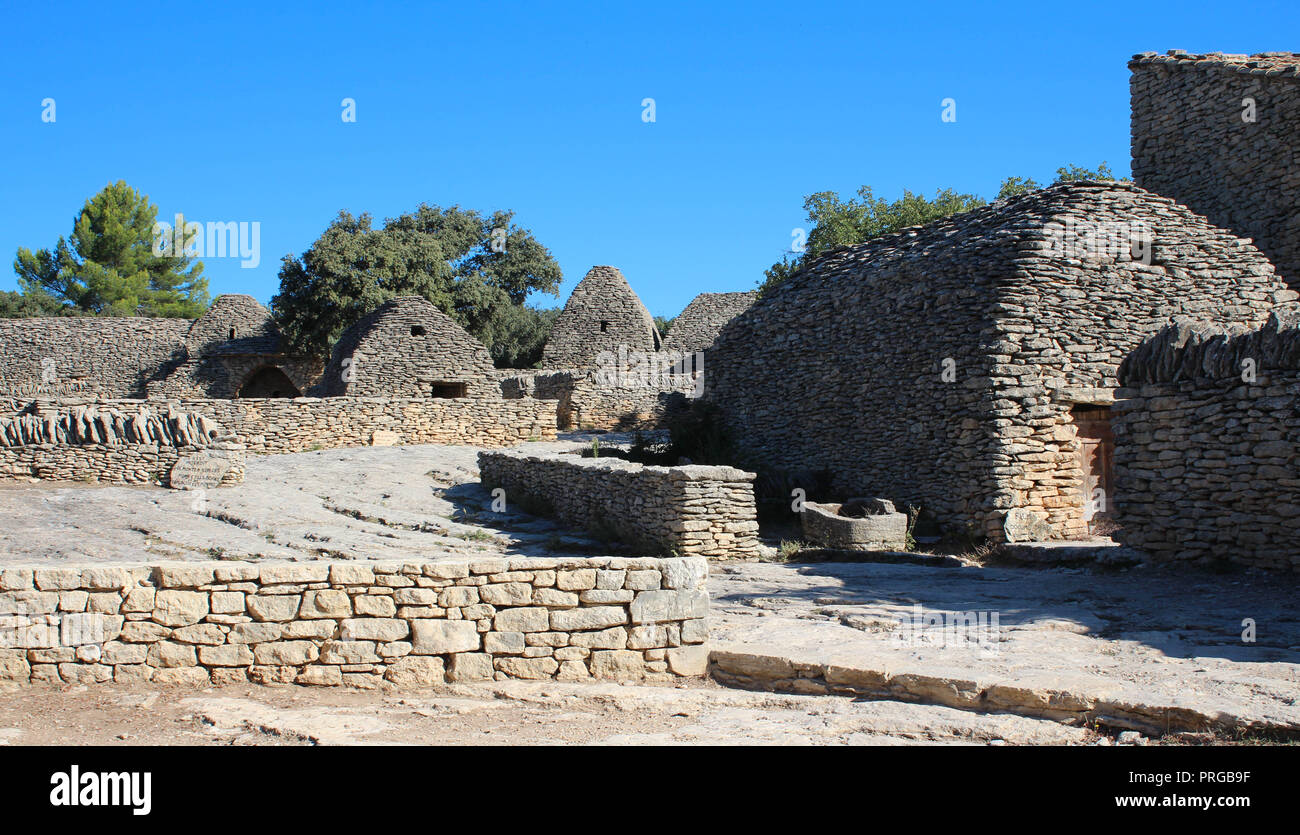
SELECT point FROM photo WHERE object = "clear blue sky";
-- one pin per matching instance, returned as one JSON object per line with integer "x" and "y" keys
{"x": 231, "y": 111}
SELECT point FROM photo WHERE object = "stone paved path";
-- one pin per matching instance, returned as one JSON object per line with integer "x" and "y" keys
{"x": 1142, "y": 647}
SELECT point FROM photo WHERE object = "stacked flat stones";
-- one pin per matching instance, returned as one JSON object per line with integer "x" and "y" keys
{"x": 109, "y": 357}
{"x": 1191, "y": 143}
{"x": 850, "y": 377}
{"x": 699, "y": 324}
{"x": 1206, "y": 460}
{"x": 216, "y": 363}
{"x": 96, "y": 442}
{"x": 685, "y": 511}
{"x": 359, "y": 625}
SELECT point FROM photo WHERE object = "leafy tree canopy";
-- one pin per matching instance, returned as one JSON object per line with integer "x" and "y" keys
{"x": 839, "y": 223}
{"x": 476, "y": 269}
{"x": 663, "y": 324}
{"x": 107, "y": 267}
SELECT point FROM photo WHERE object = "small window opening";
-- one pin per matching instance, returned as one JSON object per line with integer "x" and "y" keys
{"x": 232, "y": 333}
{"x": 604, "y": 326}
{"x": 445, "y": 390}
{"x": 417, "y": 330}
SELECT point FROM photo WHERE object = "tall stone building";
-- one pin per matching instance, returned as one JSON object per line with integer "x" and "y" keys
{"x": 967, "y": 366}
{"x": 699, "y": 324}
{"x": 602, "y": 314}
{"x": 407, "y": 347}
{"x": 1221, "y": 134}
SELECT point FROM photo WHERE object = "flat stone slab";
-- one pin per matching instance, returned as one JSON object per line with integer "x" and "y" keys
{"x": 1149, "y": 649}
{"x": 199, "y": 471}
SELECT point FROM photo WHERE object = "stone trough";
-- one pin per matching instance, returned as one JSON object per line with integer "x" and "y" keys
{"x": 881, "y": 531}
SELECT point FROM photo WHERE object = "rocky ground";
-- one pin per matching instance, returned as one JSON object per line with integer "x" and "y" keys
{"x": 1141, "y": 641}
{"x": 501, "y": 713}
{"x": 417, "y": 502}
{"x": 1132, "y": 645}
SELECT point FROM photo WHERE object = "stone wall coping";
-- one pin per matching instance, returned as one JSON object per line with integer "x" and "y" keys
{"x": 685, "y": 472}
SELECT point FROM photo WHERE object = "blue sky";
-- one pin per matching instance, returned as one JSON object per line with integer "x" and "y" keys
{"x": 231, "y": 112}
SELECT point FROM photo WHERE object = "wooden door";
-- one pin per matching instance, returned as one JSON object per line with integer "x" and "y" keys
{"x": 1096, "y": 457}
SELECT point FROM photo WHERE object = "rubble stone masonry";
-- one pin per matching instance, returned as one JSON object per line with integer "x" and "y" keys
{"x": 133, "y": 443}
{"x": 1221, "y": 134}
{"x": 1207, "y": 445}
{"x": 359, "y": 624}
{"x": 684, "y": 511}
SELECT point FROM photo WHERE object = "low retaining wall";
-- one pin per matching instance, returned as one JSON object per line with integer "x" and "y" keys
{"x": 584, "y": 400}
{"x": 133, "y": 464}
{"x": 293, "y": 425}
{"x": 1207, "y": 446}
{"x": 137, "y": 443}
{"x": 356, "y": 623}
{"x": 276, "y": 425}
{"x": 684, "y": 511}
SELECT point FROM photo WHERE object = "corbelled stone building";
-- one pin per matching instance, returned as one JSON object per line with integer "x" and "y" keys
{"x": 1221, "y": 134}
{"x": 967, "y": 366}
{"x": 699, "y": 324}
{"x": 602, "y": 314}
{"x": 407, "y": 347}
{"x": 235, "y": 350}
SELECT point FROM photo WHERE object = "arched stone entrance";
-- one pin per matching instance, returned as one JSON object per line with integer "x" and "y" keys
{"x": 268, "y": 381}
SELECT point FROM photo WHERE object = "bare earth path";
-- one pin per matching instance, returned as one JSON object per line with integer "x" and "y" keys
{"x": 503, "y": 713}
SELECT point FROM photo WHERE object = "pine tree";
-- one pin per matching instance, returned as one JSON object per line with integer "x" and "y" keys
{"x": 108, "y": 266}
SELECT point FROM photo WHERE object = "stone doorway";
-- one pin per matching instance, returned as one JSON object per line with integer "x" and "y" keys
{"x": 1096, "y": 460}
{"x": 268, "y": 381}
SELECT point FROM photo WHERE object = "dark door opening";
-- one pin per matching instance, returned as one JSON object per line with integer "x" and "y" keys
{"x": 448, "y": 390}
{"x": 1096, "y": 460}
{"x": 268, "y": 381}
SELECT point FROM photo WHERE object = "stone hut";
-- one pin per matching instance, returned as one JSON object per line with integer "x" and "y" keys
{"x": 602, "y": 314}
{"x": 699, "y": 324}
{"x": 967, "y": 367}
{"x": 1221, "y": 135}
{"x": 235, "y": 350}
{"x": 407, "y": 347}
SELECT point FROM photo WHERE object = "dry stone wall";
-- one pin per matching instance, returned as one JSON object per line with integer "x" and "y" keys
{"x": 276, "y": 425}
{"x": 1221, "y": 134}
{"x": 105, "y": 357}
{"x": 138, "y": 357}
{"x": 585, "y": 399}
{"x": 134, "y": 444}
{"x": 686, "y": 511}
{"x": 356, "y": 624}
{"x": 699, "y": 324}
{"x": 938, "y": 367}
{"x": 1207, "y": 445}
